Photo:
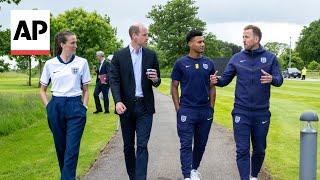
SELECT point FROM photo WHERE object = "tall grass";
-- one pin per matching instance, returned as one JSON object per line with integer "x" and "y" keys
{"x": 20, "y": 105}
{"x": 26, "y": 144}
{"x": 19, "y": 111}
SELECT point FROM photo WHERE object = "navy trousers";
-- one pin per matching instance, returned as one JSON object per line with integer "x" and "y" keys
{"x": 104, "y": 88}
{"x": 136, "y": 122}
{"x": 254, "y": 125}
{"x": 67, "y": 119}
{"x": 193, "y": 124}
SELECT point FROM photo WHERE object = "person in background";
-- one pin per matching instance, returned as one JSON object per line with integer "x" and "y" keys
{"x": 303, "y": 73}
{"x": 102, "y": 83}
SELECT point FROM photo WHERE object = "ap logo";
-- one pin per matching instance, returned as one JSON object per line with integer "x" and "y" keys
{"x": 30, "y": 32}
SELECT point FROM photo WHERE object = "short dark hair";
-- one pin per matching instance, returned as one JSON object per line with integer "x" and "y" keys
{"x": 255, "y": 29}
{"x": 134, "y": 29}
{"x": 193, "y": 33}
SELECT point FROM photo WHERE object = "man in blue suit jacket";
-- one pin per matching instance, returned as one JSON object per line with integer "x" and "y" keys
{"x": 102, "y": 83}
{"x": 134, "y": 70}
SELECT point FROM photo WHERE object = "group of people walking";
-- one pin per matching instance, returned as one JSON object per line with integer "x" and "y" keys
{"x": 132, "y": 74}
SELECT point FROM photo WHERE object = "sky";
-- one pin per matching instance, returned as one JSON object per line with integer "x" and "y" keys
{"x": 278, "y": 20}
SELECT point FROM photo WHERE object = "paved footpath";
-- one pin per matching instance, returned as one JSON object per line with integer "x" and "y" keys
{"x": 218, "y": 162}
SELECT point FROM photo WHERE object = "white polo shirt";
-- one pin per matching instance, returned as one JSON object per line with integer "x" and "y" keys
{"x": 66, "y": 78}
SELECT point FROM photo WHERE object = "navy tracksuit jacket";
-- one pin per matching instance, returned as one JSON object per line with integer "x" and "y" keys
{"x": 251, "y": 116}
{"x": 195, "y": 115}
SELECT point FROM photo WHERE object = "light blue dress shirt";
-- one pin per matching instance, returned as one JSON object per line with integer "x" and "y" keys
{"x": 136, "y": 56}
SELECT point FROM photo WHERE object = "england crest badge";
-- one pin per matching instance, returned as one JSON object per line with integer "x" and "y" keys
{"x": 205, "y": 66}
{"x": 237, "y": 119}
{"x": 263, "y": 60}
{"x": 183, "y": 118}
{"x": 74, "y": 70}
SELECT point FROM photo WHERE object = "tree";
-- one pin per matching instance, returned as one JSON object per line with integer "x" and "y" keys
{"x": 22, "y": 62}
{"x": 93, "y": 32}
{"x": 41, "y": 60}
{"x": 5, "y": 48}
{"x": 296, "y": 61}
{"x": 308, "y": 44}
{"x": 171, "y": 22}
{"x": 227, "y": 49}
{"x": 212, "y": 48}
{"x": 4, "y": 42}
{"x": 276, "y": 47}
{"x": 3, "y": 66}
{"x": 313, "y": 65}
{"x": 234, "y": 48}
{"x": 10, "y": 1}
{"x": 217, "y": 48}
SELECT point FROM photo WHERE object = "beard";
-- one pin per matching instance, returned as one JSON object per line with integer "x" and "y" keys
{"x": 248, "y": 47}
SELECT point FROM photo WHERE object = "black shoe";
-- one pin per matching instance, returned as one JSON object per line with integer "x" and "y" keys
{"x": 107, "y": 112}
{"x": 96, "y": 112}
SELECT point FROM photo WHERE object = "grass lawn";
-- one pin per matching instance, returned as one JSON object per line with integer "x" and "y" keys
{"x": 287, "y": 103}
{"x": 26, "y": 143}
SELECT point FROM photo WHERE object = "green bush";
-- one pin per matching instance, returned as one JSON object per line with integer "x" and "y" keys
{"x": 166, "y": 72}
{"x": 313, "y": 65}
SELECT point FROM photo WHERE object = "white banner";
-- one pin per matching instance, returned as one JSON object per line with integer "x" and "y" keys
{"x": 30, "y": 32}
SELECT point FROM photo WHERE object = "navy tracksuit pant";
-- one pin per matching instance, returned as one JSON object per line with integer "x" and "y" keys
{"x": 254, "y": 125}
{"x": 67, "y": 118}
{"x": 193, "y": 125}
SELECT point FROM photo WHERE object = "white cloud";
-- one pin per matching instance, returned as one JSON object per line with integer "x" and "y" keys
{"x": 278, "y": 19}
{"x": 278, "y": 32}
{"x": 284, "y": 11}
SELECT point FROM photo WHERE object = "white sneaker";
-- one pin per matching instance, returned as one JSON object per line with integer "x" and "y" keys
{"x": 195, "y": 175}
{"x": 253, "y": 178}
{"x": 187, "y": 179}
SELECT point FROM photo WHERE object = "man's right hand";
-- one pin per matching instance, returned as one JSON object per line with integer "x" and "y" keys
{"x": 120, "y": 108}
{"x": 214, "y": 78}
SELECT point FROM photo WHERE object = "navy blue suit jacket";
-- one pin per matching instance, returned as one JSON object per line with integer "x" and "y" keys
{"x": 123, "y": 82}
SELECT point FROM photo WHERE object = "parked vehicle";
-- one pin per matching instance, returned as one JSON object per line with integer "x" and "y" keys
{"x": 291, "y": 73}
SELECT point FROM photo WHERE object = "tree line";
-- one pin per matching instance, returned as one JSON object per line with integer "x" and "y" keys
{"x": 170, "y": 23}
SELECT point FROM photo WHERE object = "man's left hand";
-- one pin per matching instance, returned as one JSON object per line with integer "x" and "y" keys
{"x": 266, "y": 77}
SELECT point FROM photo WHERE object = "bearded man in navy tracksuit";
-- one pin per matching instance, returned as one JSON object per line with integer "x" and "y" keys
{"x": 256, "y": 70}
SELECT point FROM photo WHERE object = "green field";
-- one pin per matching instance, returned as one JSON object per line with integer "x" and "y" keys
{"x": 287, "y": 103}
{"x": 26, "y": 143}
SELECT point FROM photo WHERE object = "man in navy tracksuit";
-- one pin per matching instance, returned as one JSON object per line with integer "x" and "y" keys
{"x": 256, "y": 70}
{"x": 195, "y": 106}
